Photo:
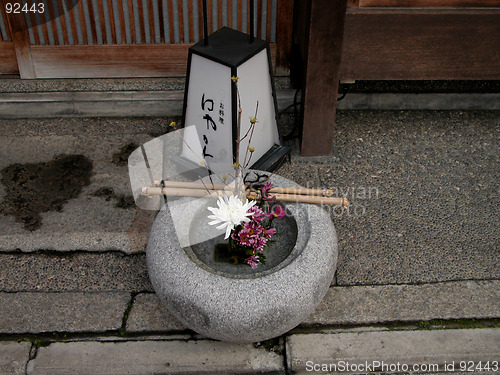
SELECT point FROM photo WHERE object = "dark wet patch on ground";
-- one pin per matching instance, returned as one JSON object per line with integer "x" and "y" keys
{"x": 120, "y": 158}
{"x": 34, "y": 188}
{"x": 122, "y": 201}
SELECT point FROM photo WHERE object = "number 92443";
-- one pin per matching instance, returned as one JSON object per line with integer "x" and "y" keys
{"x": 16, "y": 7}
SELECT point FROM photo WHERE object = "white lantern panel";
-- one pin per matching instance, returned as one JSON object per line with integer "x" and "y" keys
{"x": 208, "y": 108}
{"x": 255, "y": 85}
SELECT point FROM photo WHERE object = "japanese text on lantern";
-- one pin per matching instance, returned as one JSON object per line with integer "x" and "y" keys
{"x": 207, "y": 105}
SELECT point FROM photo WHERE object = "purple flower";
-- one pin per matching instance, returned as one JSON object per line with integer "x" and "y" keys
{"x": 253, "y": 228}
{"x": 260, "y": 243}
{"x": 268, "y": 232}
{"x": 243, "y": 238}
{"x": 258, "y": 214}
{"x": 266, "y": 188}
{"x": 249, "y": 233}
{"x": 278, "y": 212}
{"x": 253, "y": 261}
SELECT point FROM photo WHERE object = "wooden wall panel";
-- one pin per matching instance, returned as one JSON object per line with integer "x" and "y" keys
{"x": 428, "y": 3}
{"x": 421, "y": 44}
{"x": 283, "y": 36}
{"x": 123, "y": 38}
{"x": 4, "y": 25}
{"x": 8, "y": 61}
{"x": 155, "y": 60}
{"x": 21, "y": 44}
{"x": 149, "y": 21}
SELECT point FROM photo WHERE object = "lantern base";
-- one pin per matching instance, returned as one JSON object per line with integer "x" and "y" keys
{"x": 272, "y": 159}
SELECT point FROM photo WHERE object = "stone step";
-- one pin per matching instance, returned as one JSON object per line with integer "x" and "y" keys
{"x": 438, "y": 351}
{"x": 170, "y": 103}
{"x": 95, "y": 210}
{"x": 74, "y": 272}
{"x": 87, "y": 312}
{"x": 154, "y": 357}
{"x": 13, "y": 357}
{"x": 110, "y": 103}
{"x": 71, "y": 312}
{"x": 445, "y": 351}
{"x": 363, "y": 305}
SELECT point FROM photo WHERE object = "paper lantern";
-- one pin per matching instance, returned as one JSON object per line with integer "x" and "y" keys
{"x": 211, "y": 102}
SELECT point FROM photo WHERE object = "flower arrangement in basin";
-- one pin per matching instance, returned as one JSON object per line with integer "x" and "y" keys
{"x": 249, "y": 225}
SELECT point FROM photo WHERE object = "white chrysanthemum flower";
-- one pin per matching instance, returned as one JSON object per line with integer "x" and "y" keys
{"x": 231, "y": 212}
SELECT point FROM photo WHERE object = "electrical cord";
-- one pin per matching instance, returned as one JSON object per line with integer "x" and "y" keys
{"x": 295, "y": 104}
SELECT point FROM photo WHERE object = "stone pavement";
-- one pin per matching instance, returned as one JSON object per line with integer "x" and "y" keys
{"x": 418, "y": 280}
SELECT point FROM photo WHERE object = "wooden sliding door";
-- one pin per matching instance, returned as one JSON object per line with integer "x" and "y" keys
{"x": 8, "y": 62}
{"x": 421, "y": 39}
{"x": 130, "y": 38}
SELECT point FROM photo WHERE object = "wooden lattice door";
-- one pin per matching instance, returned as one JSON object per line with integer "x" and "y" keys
{"x": 123, "y": 38}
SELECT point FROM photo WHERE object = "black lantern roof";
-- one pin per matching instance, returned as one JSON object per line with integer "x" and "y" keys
{"x": 229, "y": 47}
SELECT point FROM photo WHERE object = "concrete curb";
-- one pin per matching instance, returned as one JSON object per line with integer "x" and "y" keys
{"x": 393, "y": 352}
{"x": 23, "y": 313}
{"x": 14, "y": 357}
{"x": 343, "y": 306}
{"x": 456, "y": 351}
{"x": 154, "y": 357}
{"x": 169, "y": 103}
{"x": 362, "y": 305}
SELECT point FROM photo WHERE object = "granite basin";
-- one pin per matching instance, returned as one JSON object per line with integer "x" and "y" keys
{"x": 243, "y": 305}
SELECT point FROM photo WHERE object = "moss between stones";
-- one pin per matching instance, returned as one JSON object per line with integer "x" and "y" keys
{"x": 272, "y": 345}
{"x": 35, "y": 341}
{"x": 447, "y": 324}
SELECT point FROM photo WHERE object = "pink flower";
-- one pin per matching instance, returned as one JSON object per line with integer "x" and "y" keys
{"x": 253, "y": 261}
{"x": 252, "y": 228}
{"x": 268, "y": 232}
{"x": 258, "y": 214}
{"x": 269, "y": 199}
{"x": 243, "y": 238}
{"x": 260, "y": 243}
{"x": 249, "y": 234}
{"x": 266, "y": 188}
{"x": 279, "y": 212}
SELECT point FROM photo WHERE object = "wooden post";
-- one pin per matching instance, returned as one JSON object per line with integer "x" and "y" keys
{"x": 21, "y": 42}
{"x": 284, "y": 28}
{"x": 324, "y": 33}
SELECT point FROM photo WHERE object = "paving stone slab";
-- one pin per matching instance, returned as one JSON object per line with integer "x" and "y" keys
{"x": 363, "y": 305}
{"x": 438, "y": 348}
{"x": 85, "y": 222}
{"x": 13, "y": 357}
{"x": 73, "y": 272}
{"x": 154, "y": 357}
{"x": 61, "y": 312}
{"x": 394, "y": 303}
{"x": 103, "y": 126}
{"x": 147, "y": 314}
